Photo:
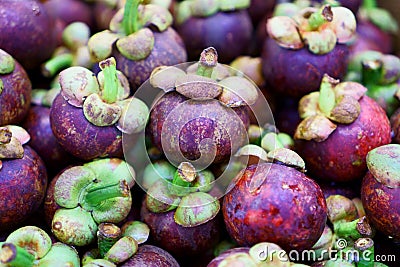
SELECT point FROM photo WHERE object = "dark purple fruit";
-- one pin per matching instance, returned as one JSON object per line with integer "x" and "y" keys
{"x": 229, "y": 32}
{"x": 178, "y": 240}
{"x": 151, "y": 256}
{"x": 275, "y": 203}
{"x": 258, "y": 9}
{"x": 395, "y": 124}
{"x": 380, "y": 191}
{"x": 15, "y": 90}
{"x": 27, "y": 32}
{"x": 295, "y": 73}
{"x": 341, "y": 157}
{"x": 81, "y": 138}
{"x": 23, "y": 185}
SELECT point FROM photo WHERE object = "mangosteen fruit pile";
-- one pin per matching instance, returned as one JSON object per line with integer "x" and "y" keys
{"x": 199, "y": 133}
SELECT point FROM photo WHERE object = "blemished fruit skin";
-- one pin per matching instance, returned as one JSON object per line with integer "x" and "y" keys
{"x": 341, "y": 157}
{"x": 275, "y": 203}
{"x": 382, "y": 206}
{"x": 23, "y": 184}
{"x": 295, "y": 73}
{"x": 151, "y": 256}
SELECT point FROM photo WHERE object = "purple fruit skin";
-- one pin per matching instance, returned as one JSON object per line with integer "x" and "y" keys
{"x": 195, "y": 130}
{"x": 23, "y": 184}
{"x": 151, "y": 256}
{"x": 228, "y": 32}
{"x": 217, "y": 260}
{"x": 181, "y": 241}
{"x": 27, "y": 32}
{"x": 37, "y": 123}
{"x": 295, "y": 73}
{"x": 341, "y": 157}
{"x": 168, "y": 50}
{"x": 15, "y": 98}
{"x": 259, "y": 8}
{"x": 287, "y": 208}
{"x": 395, "y": 124}
{"x": 81, "y": 138}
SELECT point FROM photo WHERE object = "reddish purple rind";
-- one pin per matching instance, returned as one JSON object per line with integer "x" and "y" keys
{"x": 178, "y": 240}
{"x": 395, "y": 124}
{"x": 341, "y": 157}
{"x": 382, "y": 206}
{"x": 15, "y": 98}
{"x": 259, "y": 8}
{"x": 197, "y": 129}
{"x": 287, "y": 209}
{"x": 231, "y": 40}
{"x": 296, "y": 73}
{"x": 27, "y": 32}
{"x": 81, "y": 138}
{"x": 168, "y": 50}
{"x": 371, "y": 37}
{"x": 23, "y": 186}
{"x": 37, "y": 123}
{"x": 151, "y": 256}
{"x": 217, "y": 260}
{"x": 49, "y": 205}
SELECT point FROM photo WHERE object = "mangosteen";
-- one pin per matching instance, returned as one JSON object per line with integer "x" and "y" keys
{"x": 258, "y": 9}
{"x": 23, "y": 177}
{"x": 340, "y": 126}
{"x": 375, "y": 29}
{"x": 380, "y": 189}
{"x": 205, "y": 107}
{"x": 27, "y": 32}
{"x": 31, "y": 246}
{"x": 225, "y": 25}
{"x": 275, "y": 202}
{"x": 83, "y": 196}
{"x": 37, "y": 124}
{"x": 151, "y": 256}
{"x": 182, "y": 214}
{"x": 90, "y": 114}
{"x": 141, "y": 38}
{"x": 15, "y": 90}
{"x": 299, "y": 50}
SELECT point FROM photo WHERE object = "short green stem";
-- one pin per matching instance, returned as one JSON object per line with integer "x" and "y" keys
{"x": 107, "y": 235}
{"x": 365, "y": 247}
{"x": 184, "y": 175}
{"x": 208, "y": 61}
{"x": 130, "y": 20}
{"x": 15, "y": 256}
{"x": 110, "y": 88}
{"x": 369, "y": 4}
{"x": 320, "y": 17}
{"x": 355, "y": 229}
{"x": 96, "y": 195}
{"x": 56, "y": 64}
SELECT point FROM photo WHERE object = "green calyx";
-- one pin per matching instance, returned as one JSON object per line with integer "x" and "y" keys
{"x": 159, "y": 198}
{"x": 7, "y": 63}
{"x": 384, "y": 164}
{"x": 12, "y": 139}
{"x": 335, "y": 103}
{"x": 183, "y": 178}
{"x": 32, "y": 246}
{"x": 340, "y": 209}
{"x": 137, "y": 230}
{"x": 122, "y": 250}
{"x": 195, "y": 209}
{"x": 96, "y": 192}
{"x": 206, "y": 8}
{"x": 161, "y": 169}
{"x": 319, "y": 29}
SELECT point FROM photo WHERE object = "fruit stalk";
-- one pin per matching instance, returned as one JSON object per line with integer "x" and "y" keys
{"x": 130, "y": 20}
{"x": 98, "y": 194}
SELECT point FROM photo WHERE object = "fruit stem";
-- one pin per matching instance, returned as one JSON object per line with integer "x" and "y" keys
{"x": 107, "y": 235}
{"x": 98, "y": 194}
{"x": 110, "y": 88}
{"x": 5, "y": 135}
{"x": 130, "y": 20}
{"x": 369, "y": 4}
{"x": 364, "y": 245}
{"x": 184, "y": 175}
{"x": 208, "y": 60}
{"x": 320, "y": 17}
{"x": 354, "y": 229}
{"x": 15, "y": 256}
{"x": 56, "y": 64}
